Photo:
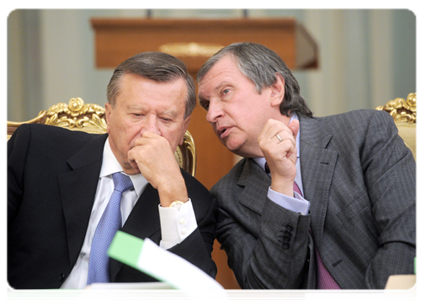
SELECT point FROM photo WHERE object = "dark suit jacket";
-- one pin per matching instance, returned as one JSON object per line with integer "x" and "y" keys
{"x": 52, "y": 180}
{"x": 361, "y": 183}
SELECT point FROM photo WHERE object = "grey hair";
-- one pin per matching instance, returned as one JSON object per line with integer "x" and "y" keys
{"x": 261, "y": 65}
{"x": 156, "y": 66}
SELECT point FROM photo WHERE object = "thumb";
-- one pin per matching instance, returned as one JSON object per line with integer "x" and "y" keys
{"x": 294, "y": 126}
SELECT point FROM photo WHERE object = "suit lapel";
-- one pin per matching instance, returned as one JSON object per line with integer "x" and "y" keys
{"x": 317, "y": 169}
{"x": 255, "y": 182}
{"x": 143, "y": 222}
{"x": 144, "y": 219}
{"x": 77, "y": 191}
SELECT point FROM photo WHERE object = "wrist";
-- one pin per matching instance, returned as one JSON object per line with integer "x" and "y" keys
{"x": 178, "y": 204}
{"x": 285, "y": 188}
{"x": 166, "y": 199}
{"x": 172, "y": 191}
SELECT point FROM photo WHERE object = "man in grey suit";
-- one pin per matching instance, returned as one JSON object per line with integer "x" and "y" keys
{"x": 337, "y": 208}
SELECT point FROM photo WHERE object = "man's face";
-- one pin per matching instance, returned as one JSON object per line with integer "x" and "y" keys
{"x": 145, "y": 105}
{"x": 235, "y": 109}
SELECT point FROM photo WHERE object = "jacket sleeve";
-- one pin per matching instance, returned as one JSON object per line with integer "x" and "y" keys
{"x": 198, "y": 246}
{"x": 267, "y": 249}
{"x": 17, "y": 148}
{"x": 390, "y": 174}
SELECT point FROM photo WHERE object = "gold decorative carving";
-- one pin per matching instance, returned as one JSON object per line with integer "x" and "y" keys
{"x": 178, "y": 156}
{"x": 402, "y": 110}
{"x": 77, "y": 116}
{"x": 190, "y": 147}
{"x": 37, "y": 119}
{"x": 190, "y": 49}
{"x": 188, "y": 160}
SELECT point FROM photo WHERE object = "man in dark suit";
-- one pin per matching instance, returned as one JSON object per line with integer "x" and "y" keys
{"x": 315, "y": 202}
{"x": 60, "y": 182}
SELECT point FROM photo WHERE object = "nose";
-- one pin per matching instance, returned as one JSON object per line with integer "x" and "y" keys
{"x": 214, "y": 112}
{"x": 150, "y": 123}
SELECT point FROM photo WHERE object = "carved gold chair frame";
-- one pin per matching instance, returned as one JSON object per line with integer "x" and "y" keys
{"x": 404, "y": 112}
{"x": 90, "y": 118}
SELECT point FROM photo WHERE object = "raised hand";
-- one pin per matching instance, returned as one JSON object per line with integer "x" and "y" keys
{"x": 154, "y": 158}
{"x": 277, "y": 142}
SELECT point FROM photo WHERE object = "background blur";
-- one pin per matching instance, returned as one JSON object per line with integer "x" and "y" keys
{"x": 366, "y": 57}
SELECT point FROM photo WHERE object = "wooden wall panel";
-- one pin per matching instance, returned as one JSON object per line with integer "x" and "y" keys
{"x": 194, "y": 40}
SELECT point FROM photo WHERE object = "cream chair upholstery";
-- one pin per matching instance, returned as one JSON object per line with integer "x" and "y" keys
{"x": 404, "y": 114}
{"x": 91, "y": 118}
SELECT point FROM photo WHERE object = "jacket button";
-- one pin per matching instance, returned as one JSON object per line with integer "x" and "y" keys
{"x": 62, "y": 277}
{"x": 285, "y": 246}
{"x": 288, "y": 228}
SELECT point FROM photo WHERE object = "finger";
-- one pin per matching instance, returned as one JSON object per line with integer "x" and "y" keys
{"x": 271, "y": 128}
{"x": 146, "y": 137}
{"x": 294, "y": 126}
{"x": 278, "y": 137}
{"x": 132, "y": 161}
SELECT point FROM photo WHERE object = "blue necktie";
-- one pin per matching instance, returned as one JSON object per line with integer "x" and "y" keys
{"x": 110, "y": 223}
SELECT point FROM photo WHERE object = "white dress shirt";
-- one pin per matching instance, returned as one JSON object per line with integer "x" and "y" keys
{"x": 296, "y": 203}
{"x": 176, "y": 224}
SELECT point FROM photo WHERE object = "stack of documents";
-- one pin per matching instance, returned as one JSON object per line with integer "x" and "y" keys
{"x": 172, "y": 270}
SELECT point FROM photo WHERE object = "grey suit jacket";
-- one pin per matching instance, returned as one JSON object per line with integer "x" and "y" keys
{"x": 360, "y": 180}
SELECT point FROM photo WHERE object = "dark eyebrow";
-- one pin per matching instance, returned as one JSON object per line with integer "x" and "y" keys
{"x": 202, "y": 101}
{"x": 220, "y": 85}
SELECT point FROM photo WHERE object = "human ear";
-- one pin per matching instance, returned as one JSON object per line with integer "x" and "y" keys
{"x": 108, "y": 113}
{"x": 277, "y": 90}
{"x": 186, "y": 123}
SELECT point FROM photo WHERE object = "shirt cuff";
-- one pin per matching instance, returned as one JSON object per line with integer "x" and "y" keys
{"x": 296, "y": 204}
{"x": 176, "y": 224}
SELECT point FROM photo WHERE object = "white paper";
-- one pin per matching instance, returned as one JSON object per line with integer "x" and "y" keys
{"x": 176, "y": 271}
{"x": 343, "y": 296}
{"x": 131, "y": 291}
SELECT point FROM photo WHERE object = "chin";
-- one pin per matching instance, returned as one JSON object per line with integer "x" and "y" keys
{"x": 233, "y": 147}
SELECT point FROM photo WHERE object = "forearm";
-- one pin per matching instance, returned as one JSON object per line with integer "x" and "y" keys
{"x": 391, "y": 259}
{"x": 390, "y": 175}
{"x": 17, "y": 148}
{"x": 274, "y": 257}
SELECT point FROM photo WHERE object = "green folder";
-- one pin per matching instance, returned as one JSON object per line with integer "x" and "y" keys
{"x": 163, "y": 265}
{"x": 417, "y": 265}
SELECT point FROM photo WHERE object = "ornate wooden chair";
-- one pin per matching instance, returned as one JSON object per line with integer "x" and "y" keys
{"x": 91, "y": 118}
{"x": 404, "y": 113}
